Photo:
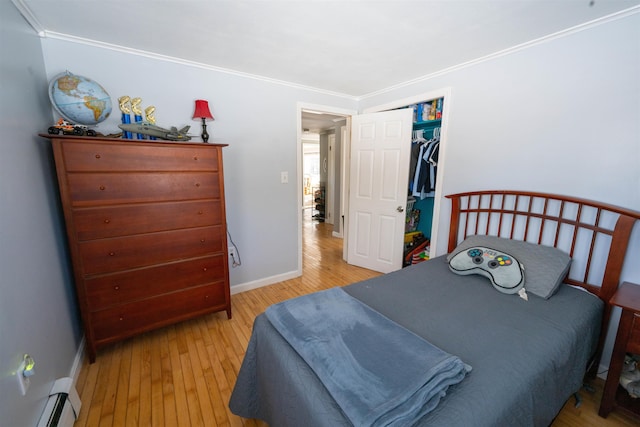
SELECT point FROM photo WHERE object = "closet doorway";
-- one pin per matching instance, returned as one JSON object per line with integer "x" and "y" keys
{"x": 432, "y": 206}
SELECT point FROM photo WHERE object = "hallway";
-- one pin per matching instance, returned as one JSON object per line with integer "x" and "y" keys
{"x": 322, "y": 263}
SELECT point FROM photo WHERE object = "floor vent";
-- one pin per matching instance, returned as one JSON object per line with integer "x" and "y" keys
{"x": 63, "y": 406}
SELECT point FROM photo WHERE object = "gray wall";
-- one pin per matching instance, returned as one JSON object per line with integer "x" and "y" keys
{"x": 257, "y": 118}
{"x": 38, "y": 312}
{"x": 561, "y": 116}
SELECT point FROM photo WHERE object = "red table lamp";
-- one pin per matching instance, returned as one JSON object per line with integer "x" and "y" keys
{"x": 202, "y": 112}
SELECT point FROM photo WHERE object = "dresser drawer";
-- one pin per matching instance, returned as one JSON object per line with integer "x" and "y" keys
{"x": 131, "y": 156}
{"x": 129, "y": 319}
{"x": 119, "y": 288}
{"x": 124, "y": 253}
{"x": 88, "y": 189}
{"x": 123, "y": 220}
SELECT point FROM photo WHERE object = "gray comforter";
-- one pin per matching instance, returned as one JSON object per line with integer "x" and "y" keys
{"x": 340, "y": 338}
{"x": 528, "y": 357}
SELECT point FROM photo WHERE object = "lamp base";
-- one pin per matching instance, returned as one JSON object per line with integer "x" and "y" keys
{"x": 205, "y": 135}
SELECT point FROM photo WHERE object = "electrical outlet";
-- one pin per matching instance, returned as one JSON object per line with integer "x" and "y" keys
{"x": 23, "y": 382}
{"x": 233, "y": 255}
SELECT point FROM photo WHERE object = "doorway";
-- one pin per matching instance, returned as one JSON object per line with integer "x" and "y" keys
{"x": 440, "y": 210}
{"x": 311, "y": 176}
{"x": 321, "y": 137}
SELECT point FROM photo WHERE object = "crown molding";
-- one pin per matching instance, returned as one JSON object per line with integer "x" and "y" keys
{"x": 35, "y": 24}
{"x": 517, "y": 48}
{"x": 29, "y": 17}
{"x": 166, "y": 58}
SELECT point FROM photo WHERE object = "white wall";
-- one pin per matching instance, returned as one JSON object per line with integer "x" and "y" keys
{"x": 38, "y": 312}
{"x": 562, "y": 116}
{"x": 256, "y": 118}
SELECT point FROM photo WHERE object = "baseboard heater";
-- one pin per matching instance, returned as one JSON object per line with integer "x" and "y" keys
{"x": 63, "y": 406}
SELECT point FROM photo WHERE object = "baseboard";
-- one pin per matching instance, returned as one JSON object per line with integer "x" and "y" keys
{"x": 243, "y": 287}
{"x": 602, "y": 371}
{"x": 76, "y": 368}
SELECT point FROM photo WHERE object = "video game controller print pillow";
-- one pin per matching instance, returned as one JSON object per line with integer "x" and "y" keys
{"x": 503, "y": 270}
{"x": 546, "y": 267}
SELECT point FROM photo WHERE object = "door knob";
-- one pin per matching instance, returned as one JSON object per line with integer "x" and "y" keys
{"x": 400, "y": 209}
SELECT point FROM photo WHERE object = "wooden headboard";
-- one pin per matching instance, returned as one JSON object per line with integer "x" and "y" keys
{"x": 595, "y": 235}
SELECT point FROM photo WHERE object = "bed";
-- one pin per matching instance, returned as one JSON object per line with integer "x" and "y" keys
{"x": 525, "y": 353}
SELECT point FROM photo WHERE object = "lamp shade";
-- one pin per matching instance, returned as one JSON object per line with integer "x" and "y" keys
{"x": 202, "y": 110}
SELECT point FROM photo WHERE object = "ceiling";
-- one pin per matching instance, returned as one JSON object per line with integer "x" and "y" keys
{"x": 350, "y": 47}
{"x": 314, "y": 122}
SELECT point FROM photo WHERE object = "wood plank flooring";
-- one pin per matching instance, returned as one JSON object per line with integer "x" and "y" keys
{"x": 182, "y": 375}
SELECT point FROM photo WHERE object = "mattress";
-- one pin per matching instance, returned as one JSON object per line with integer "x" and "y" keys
{"x": 528, "y": 357}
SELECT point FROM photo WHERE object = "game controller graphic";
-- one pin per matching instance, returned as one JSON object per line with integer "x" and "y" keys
{"x": 504, "y": 271}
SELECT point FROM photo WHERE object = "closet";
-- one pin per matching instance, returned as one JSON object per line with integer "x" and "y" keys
{"x": 425, "y": 146}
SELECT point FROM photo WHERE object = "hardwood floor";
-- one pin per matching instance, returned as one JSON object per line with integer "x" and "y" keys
{"x": 182, "y": 375}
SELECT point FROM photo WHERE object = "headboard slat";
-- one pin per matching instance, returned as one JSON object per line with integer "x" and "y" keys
{"x": 592, "y": 246}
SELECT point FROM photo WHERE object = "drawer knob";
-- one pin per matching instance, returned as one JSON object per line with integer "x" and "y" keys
{"x": 102, "y": 187}
{"x": 97, "y": 156}
{"x": 112, "y": 254}
{"x": 204, "y": 269}
{"x": 107, "y": 221}
{"x": 195, "y": 157}
{"x": 197, "y": 184}
{"x": 201, "y": 240}
{"x": 200, "y": 212}
{"x": 121, "y": 318}
{"x": 116, "y": 288}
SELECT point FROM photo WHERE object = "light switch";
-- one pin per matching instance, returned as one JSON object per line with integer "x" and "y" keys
{"x": 284, "y": 177}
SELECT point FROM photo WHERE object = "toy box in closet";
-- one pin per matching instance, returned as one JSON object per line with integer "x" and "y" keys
{"x": 428, "y": 111}
{"x": 416, "y": 246}
{"x": 412, "y": 216}
{"x": 417, "y": 251}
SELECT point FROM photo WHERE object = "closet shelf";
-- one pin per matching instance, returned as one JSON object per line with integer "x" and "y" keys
{"x": 427, "y": 125}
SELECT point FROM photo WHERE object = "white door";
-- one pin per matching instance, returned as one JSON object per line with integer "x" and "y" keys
{"x": 378, "y": 186}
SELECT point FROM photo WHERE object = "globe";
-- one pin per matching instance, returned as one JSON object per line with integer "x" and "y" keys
{"x": 79, "y": 99}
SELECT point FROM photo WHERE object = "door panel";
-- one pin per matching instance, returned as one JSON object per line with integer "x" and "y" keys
{"x": 380, "y": 151}
{"x": 364, "y": 179}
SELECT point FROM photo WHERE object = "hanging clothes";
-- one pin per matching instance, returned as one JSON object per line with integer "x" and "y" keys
{"x": 423, "y": 182}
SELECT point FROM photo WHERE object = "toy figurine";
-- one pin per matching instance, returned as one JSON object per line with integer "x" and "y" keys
{"x": 126, "y": 117}
{"x": 171, "y": 134}
{"x": 137, "y": 111}
{"x": 151, "y": 118}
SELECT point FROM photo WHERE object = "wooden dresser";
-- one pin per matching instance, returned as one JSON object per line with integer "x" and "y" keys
{"x": 146, "y": 227}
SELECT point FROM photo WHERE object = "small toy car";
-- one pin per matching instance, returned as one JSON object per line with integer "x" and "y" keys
{"x": 70, "y": 129}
